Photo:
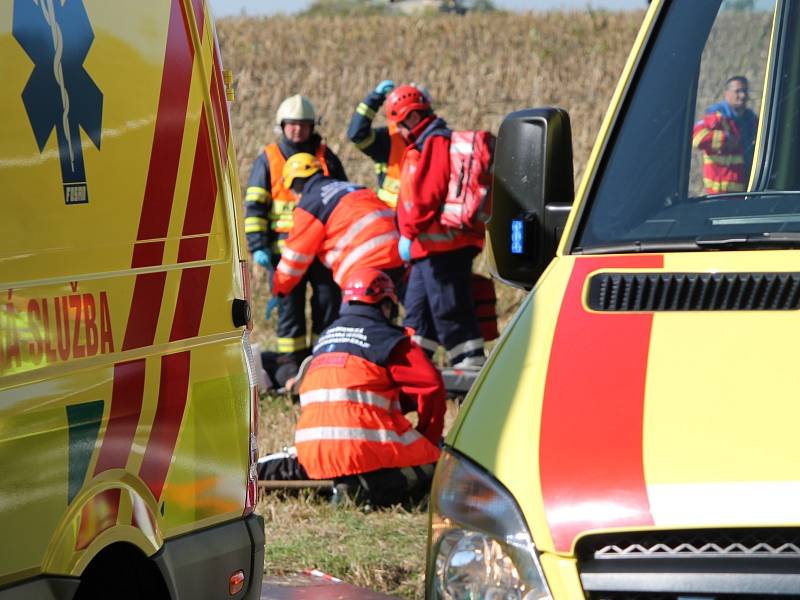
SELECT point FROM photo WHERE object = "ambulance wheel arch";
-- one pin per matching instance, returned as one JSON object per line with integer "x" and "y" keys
{"x": 86, "y": 531}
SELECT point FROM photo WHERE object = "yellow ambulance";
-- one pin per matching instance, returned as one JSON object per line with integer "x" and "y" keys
{"x": 634, "y": 435}
{"x": 127, "y": 394}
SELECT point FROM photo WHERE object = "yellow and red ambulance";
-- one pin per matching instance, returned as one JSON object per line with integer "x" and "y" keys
{"x": 634, "y": 433}
{"x": 127, "y": 393}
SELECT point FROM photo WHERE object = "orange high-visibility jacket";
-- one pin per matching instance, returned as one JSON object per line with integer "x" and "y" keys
{"x": 351, "y": 420}
{"x": 343, "y": 224}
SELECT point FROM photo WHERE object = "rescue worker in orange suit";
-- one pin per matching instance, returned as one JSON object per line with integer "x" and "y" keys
{"x": 268, "y": 219}
{"x": 438, "y": 299}
{"x": 727, "y": 136}
{"x": 344, "y": 225}
{"x": 364, "y": 375}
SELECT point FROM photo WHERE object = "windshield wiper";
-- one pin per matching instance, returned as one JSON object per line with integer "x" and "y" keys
{"x": 641, "y": 246}
{"x": 738, "y": 195}
{"x": 786, "y": 239}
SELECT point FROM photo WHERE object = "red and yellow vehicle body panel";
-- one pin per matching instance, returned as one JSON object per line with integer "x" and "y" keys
{"x": 615, "y": 421}
{"x": 641, "y": 435}
{"x": 125, "y": 400}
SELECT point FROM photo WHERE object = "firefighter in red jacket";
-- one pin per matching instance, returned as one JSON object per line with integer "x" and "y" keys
{"x": 342, "y": 224}
{"x": 727, "y": 136}
{"x": 365, "y": 374}
{"x": 384, "y": 145}
{"x": 438, "y": 299}
{"x": 269, "y": 207}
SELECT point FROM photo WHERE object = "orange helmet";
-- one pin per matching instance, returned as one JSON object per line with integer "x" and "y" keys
{"x": 370, "y": 286}
{"x": 403, "y": 100}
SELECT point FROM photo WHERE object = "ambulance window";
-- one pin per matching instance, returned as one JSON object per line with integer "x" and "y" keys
{"x": 653, "y": 184}
{"x": 782, "y": 172}
{"x": 729, "y": 93}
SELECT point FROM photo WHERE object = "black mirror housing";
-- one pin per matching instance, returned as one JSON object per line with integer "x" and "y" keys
{"x": 532, "y": 193}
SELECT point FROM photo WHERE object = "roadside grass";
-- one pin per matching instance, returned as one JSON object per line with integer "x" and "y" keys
{"x": 379, "y": 549}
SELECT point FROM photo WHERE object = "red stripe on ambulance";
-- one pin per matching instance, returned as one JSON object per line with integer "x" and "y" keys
{"x": 168, "y": 136}
{"x": 590, "y": 445}
{"x": 172, "y": 393}
{"x": 219, "y": 101}
{"x": 128, "y": 386}
{"x": 174, "y": 388}
{"x": 126, "y": 405}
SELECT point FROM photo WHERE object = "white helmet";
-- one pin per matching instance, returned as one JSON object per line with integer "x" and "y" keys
{"x": 295, "y": 108}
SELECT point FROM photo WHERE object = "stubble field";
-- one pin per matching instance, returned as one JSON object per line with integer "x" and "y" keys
{"x": 478, "y": 68}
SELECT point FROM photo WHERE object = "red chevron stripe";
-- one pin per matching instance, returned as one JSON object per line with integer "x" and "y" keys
{"x": 128, "y": 386}
{"x": 219, "y": 100}
{"x": 174, "y": 388}
{"x": 590, "y": 448}
{"x": 172, "y": 393}
{"x": 166, "y": 151}
{"x": 126, "y": 405}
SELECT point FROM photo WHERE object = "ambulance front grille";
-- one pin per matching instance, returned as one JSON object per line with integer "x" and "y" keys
{"x": 648, "y": 292}
{"x": 734, "y": 564}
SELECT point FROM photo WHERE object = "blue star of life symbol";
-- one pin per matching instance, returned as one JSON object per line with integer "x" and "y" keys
{"x": 60, "y": 94}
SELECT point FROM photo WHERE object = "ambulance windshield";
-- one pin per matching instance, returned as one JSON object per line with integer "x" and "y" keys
{"x": 707, "y": 146}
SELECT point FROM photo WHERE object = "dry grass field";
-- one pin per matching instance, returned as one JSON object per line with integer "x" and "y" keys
{"x": 478, "y": 68}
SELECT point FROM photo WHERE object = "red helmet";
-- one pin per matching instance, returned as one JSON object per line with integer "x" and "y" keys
{"x": 370, "y": 286}
{"x": 403, "y": 100}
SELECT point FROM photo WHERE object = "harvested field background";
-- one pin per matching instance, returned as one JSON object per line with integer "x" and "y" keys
{"x": 477, "y": 67}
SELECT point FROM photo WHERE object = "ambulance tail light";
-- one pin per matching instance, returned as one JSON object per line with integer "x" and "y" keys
{"x": 478, "y": 544}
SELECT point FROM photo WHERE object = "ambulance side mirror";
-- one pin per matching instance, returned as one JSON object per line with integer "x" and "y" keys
{"x": 533, "y": 190}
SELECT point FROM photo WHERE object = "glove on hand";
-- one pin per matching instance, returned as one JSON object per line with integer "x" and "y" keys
{"x": 271, "y": 305}
{"x": 384, "y": 87}
{"x": 404, "y": 248}
{"x": 263, "y": 258}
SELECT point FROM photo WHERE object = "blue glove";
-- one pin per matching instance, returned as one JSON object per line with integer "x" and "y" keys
{"x": 271, "y": 305}
{"x": 263, "y": 258}
{"x": 404, "y": 248}
{"x": 384, "y": 87}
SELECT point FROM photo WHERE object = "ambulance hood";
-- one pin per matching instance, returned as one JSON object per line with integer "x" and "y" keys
{"x": 630, "y": 418}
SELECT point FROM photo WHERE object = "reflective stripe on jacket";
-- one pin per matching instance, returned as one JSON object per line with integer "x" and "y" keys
{"x": 350, "y": 420}
{"x": 283, "y": 201}
{"x": 343, "y": 224}
{"x": 390, "y": 184}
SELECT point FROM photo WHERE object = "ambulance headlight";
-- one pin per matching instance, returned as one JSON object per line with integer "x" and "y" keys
{"x": 478, "y": 545}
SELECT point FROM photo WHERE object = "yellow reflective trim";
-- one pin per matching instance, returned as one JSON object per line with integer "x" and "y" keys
{"x": 698, "y": 137}
{"x": 367, "y": 141}
{"x": 722, "y": 186}
{"x": 254, "y": 189}
{"x": 254, "y": 224}
{"x": 390, "y": 184}
{"x": 381, "y": 167}
{"x": 716, "y": 140}
{"x": 292, "y": 344}
{"x": 365, "y": 111}
{"x": 388, "y": 198}
{"x": 724, "y": 160}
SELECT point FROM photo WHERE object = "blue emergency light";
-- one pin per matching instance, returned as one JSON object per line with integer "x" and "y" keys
{"x": 517, "y": 236}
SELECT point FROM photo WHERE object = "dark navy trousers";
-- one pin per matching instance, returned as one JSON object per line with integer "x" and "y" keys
{"x": 439, "y": 305}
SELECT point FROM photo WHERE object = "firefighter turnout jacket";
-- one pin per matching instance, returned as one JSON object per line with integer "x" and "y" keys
{"x": 343, "y": 224}
{"x": 384, "y": 145}
{"x": 727, "y": 142}
{"x": 351, "y": 421}
{"x": 268, "y": 204}
{"x": 424, "y": 183}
